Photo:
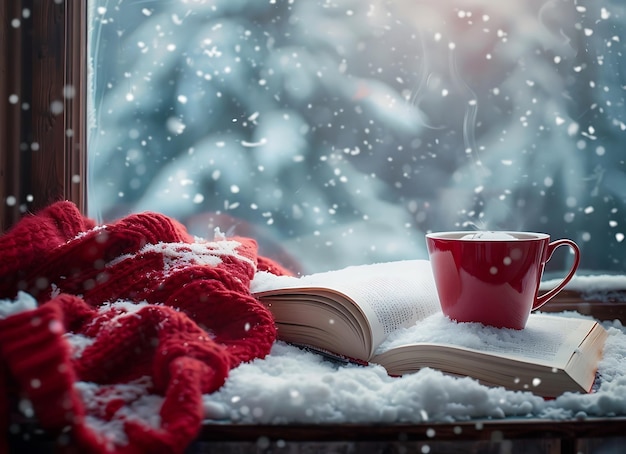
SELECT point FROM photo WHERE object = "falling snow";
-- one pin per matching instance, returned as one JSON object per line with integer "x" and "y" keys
{"x": 379, "y": 124}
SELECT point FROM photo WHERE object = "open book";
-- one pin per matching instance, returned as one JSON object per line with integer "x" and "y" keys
{"x": 389, "y": 314}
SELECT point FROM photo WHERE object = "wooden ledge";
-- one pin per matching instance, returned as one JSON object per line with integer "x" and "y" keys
{"x": 606, "y": 306}
{"x": 475, "y": 430}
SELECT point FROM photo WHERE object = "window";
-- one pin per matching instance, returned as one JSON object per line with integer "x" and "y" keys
{"x": 334, "y": 132}
{"x": 338, "y": 133}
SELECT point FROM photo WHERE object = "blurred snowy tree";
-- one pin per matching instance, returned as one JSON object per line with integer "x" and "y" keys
{"x": 252, "y": 113}
{"x": 337, "y": 132}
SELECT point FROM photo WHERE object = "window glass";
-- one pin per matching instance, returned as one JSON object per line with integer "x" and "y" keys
{"x": 338, "y": 132}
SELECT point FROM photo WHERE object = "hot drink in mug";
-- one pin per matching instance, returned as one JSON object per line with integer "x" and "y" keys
{"x": 493, "y": 277}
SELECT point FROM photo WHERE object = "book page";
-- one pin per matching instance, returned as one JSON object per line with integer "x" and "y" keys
{"x": 318, "y": 320}
{"x": 391, "y": 295}
{"x": 547, "y": 339}
{"x": 553, "y": 354}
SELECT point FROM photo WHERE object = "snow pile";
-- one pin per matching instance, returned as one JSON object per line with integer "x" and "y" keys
{"x": 295, "y": 386}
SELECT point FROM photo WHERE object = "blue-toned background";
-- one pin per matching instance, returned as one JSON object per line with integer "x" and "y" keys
{"x": 338, "y": 132}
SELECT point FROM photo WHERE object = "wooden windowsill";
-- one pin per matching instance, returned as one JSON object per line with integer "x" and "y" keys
{"x": 522, "y": 435}
{"x": 510, "y": 428}
{"x": 569, "y": 436}
{"x": 606, "y": 307}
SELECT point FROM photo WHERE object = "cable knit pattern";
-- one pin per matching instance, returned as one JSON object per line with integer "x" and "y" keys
{"x": 131, "y": 313}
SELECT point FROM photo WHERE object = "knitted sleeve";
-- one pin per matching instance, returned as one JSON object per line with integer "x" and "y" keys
{"x": 128, "y": 325}
{"x": 34, "y": 237}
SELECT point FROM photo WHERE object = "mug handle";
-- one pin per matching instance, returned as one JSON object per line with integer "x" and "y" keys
{"x": 543, "y": 299}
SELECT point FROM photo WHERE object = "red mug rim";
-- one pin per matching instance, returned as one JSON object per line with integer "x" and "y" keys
{"x": 459, "y": 234}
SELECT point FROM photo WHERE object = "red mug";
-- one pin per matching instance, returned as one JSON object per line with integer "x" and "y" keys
{"x": 493, "y": 277}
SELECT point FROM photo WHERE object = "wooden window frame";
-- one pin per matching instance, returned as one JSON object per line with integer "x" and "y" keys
{"x": 43, "y": 61}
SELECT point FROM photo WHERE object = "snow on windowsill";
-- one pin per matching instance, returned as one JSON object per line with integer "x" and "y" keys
{"x": 295, "y": 386}
{"x": 588, "y": 284}
{"x": 606, "y": 288}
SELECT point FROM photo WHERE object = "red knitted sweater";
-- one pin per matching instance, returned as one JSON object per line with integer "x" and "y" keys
{"x": 100, "y": 323}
